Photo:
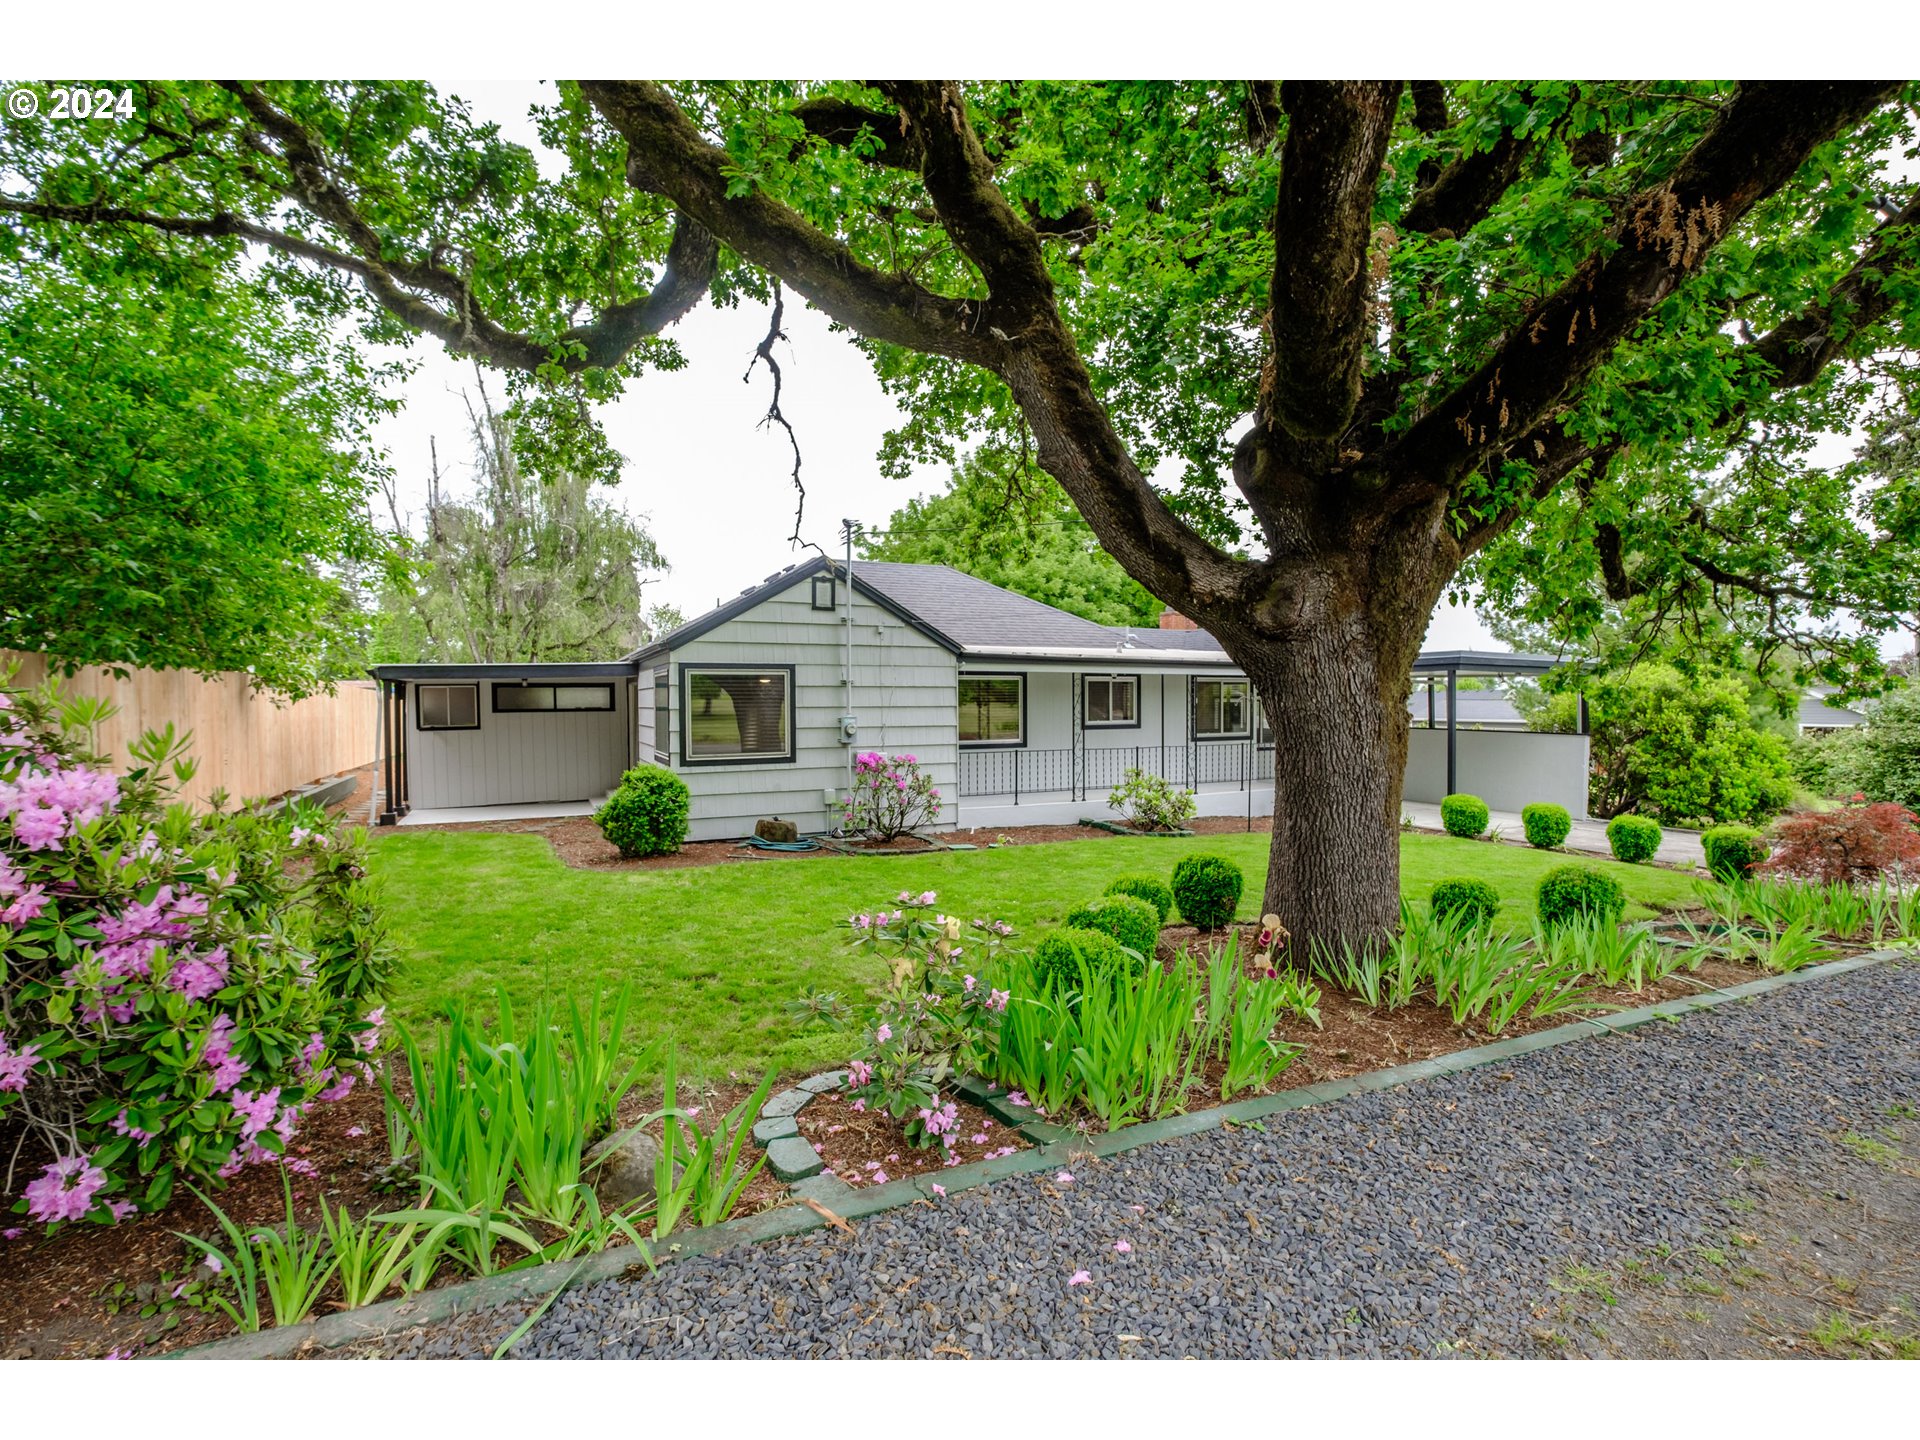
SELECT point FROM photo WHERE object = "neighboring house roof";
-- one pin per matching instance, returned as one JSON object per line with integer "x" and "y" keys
{"x": 1818, "y": 711}
{"x": 1477, "y": 707}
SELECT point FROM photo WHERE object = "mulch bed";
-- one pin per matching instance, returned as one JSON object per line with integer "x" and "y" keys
{"x": 867, "y": 1147}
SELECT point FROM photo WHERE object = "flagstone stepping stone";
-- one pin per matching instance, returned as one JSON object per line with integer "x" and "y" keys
{"x": 791, "y": 1158}
{"x": 787, "y": 1102}
{"x": 777, "y": 1128}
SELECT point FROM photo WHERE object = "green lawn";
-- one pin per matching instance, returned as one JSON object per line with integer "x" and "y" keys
{"x": 716, "y": 952}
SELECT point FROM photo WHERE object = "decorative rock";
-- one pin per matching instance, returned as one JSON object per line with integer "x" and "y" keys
{"x": 822, "y": 1084}
{"x": 829, "y": 1190}
{"x": 780, "y": 832}
{"x": 792, "y": 1158}
{"x": 787, "y": 1102}
{"x": 777, "y": 1128}
{"x": 627, "y": 1173}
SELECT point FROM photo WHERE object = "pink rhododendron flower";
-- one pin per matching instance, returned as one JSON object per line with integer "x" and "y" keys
{"x": 212, "y": 1262}
{"x": 354, "y": 1132}
{"x": 339, "y": 1090}
{"x": 13, "y": 1234}
{"x": 1017, "y": 1099}
{"x": 858, "y": 1073}
{"x": 1063, "y": 1178}
{"x": 979, "y": 1138}
{"x": 879, "y": 1177}
{"x": 997, "y": 1000}
{"x": 1080, "y": 1277}
{"x": 121, "y": 1209}
{"x": 859, "y": 1107}
{"x": 969, "y": 984}
{"x": 255, "y": 1111}
{"x": 14, "y": 1064}
{"x": 938, "y": 1189}
{"x": 1122, "y": 1247}
{"x": 65, "y": 1189}
{"x": 122, "y": 1126}
{"x": 883, "y": 1034}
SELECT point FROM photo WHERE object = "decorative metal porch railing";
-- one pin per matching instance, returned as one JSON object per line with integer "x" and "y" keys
{"x": 1076, "y": 774}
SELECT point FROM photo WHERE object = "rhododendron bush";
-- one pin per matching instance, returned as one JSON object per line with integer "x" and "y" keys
{"x": 938, "y": 1017}
{"x": 178, "y": 987}
{"x": 892, "y": 796}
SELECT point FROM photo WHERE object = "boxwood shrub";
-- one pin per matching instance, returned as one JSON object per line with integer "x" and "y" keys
{"x": 1569, "y": 891}
{"x": 1466, "y": 895}
{"x": 1206, "y": 889}
{"x": 1465, "y": 816}
{"x": 1733, "y": 850}
{"x": 647, "y": 815}
{"x": 1059, "y": 954}
{"x": 1150, "y": 888}
{"x": 1633, "y": 838}
{"x": 1547, "y": 826}
{"x": 1133, "y": 922}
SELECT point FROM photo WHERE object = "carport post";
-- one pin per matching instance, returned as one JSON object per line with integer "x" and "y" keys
{"x": 1453, "y": 721}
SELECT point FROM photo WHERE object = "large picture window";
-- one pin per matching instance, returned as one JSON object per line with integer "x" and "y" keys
{"x": 447, "y": 707}
{"x": 736, "y": 713}
{"x": 1220, "y": 709}
{"x": 519, "y": 699}
{"x": 993, "y": 709}
{"x": 1110, "y": 702}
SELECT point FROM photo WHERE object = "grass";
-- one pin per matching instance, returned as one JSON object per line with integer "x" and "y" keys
{"x": 1841, "y": 1334}
{"x": 717, "y": 953}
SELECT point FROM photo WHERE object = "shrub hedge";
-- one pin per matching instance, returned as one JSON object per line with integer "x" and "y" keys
{"x": 1465, "y": 895}
{"x": 1206, "y": 890}
{"x": 1133, "y": 922}
{"x": 1465, "y": 816}
{"x": 647, "y": 815}
{"x": 1150, "y": 888}
{"x": 1547, "y": 826}
{"x": 1733, "y": 850}
{"x": 1567, "y": 891}
{"x": 1059, "y": 954}
{"x": 1633, "y": 838}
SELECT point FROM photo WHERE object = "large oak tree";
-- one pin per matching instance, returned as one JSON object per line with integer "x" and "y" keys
{"x": 1302, "y": 354}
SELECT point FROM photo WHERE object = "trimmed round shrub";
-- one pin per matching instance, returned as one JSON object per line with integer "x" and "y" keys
{"x": 1206, "y": 890}
{"x": 1060, "y": 954}
{"x": 1568, "y": 892}
{"x": 1633, "y": 838}
{"x": 1150, "y": 888}
{"x": 1465, "y": 816}
{"x": 1547, "y": 826}
{"x": 1134, "y": 923}
{"x": 647, "y": 815}
{"x": 1466, "y": 896}
{"x": 1733, "y": 850}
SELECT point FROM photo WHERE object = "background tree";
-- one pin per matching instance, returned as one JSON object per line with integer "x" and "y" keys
{"x": 521, "y": 569}
{"x": 1012, "y": 524}
{"x": 1368, "y": 333}
{"x": 1685, "y": 749}
{"x": 184, "y": 469}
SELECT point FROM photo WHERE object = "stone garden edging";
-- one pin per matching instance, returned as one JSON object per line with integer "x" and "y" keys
{"x": 1053, "y": 1145}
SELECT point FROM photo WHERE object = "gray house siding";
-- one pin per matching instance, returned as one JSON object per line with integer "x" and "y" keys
{"x": 520, "y": 758}
{"x": 905, "y": 698}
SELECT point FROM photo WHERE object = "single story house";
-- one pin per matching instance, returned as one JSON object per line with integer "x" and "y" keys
{"x": 1022, "y": 713}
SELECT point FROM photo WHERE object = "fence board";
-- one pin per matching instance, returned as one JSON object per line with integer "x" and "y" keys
{"x": 245, "y": 743}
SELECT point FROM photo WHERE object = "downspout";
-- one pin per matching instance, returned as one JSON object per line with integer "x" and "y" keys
{"x": 1453, "y": 715}
{"x": 379, "y": 743}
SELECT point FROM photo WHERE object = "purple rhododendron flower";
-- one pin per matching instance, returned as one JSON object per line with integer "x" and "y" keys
{"x": 65, "y": 1189}
{"x": 14, "y": 1064}
{"x": 256, "y": 1111}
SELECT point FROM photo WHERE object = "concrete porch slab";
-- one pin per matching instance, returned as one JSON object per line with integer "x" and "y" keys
{"x": 470, "y": 814}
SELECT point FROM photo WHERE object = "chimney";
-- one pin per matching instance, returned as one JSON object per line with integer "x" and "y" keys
{"x": 1174, "y": 620}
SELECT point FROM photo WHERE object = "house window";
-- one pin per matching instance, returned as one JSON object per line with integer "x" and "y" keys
{"x": 662, "y": 718}
{"x": 823, "y": 592}
{"x": 1110, "y": 702}
{"x": 993, "y": 709}
{"x": 447, "y": 707}
{"x": 1220, "y": 709}
{"x": 518, "y": 699}
{"x": 736, "y": 713}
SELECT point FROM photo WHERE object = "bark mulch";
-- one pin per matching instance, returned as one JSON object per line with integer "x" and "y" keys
{"x": 868, "y": 1147}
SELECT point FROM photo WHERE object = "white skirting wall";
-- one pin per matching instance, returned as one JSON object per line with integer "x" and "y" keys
{"x": 988, "y": 812}
{"x": 1506, "y": 768}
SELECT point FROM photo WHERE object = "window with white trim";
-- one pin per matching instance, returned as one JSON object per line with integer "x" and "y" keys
{"x": 447, "y": 707}
{"x": 993, "y": 710}
{"x": 1220, "y": 709}
{"x": 1110, "y": 701}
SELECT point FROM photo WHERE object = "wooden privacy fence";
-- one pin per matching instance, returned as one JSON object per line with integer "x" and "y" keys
{"x": 245, "y": 743}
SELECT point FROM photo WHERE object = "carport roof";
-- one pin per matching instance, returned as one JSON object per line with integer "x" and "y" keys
{"x": 525, "y": 670}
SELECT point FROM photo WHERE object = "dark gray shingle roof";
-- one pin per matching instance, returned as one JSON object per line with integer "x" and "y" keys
{"x": 977, "y": 614}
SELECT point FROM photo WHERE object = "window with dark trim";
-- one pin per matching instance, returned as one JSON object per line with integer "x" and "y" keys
{"x": 1110, "y": 702}
{"x": 662, "y": 718}
{"x": 734, "y": 713}
{"x": 993, "y": 710}
{"x": 514, "y": 699}
{"x": 1220, "y": 709}
{"x": 447, "y": 707}
{"x": 822, "y": 593}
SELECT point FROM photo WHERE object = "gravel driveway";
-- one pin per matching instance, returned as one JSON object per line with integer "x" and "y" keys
{"x": 1432, "y": 1219}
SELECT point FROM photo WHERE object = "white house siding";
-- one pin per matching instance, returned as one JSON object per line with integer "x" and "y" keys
{"x": 904, "y": 696}
{"x": 521, "y": 758}
{"x": 1507, "y": 769}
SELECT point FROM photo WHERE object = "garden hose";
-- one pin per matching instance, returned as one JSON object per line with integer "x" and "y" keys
{"x": 790, "y": 845}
